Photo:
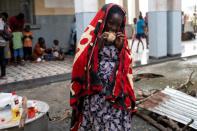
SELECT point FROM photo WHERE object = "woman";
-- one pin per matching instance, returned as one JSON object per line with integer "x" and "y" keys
{"x": 102, "y": 96}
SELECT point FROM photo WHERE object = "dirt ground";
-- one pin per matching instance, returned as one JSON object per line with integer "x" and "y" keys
{"x": 57, "y": 94}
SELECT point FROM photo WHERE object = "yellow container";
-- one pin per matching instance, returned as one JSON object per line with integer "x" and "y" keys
{"x": 15, "y": 114}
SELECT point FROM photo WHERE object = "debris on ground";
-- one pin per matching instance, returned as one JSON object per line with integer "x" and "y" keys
{"x": 169, "y": 110}
{"x": 186, "y": 86}
{"x": 66, "y": 115}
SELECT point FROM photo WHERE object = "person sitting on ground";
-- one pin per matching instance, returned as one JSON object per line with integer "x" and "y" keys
{"x": 57, "y": 51}
{"x": 27, "y": 43}
{"x": 41, "y": 52}
{"x": 39, "y": 49}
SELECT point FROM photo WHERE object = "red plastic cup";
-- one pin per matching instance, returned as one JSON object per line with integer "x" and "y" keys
{"x": 31, "y": 112}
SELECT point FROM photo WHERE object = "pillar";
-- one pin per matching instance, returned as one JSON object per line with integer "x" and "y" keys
{"x": 137, "y": 8}
{"x": 133, "y": 10}
{"x": 85, "y": 10}
{"x": 101, "y": 3}
{"x": 157, "y": 26}
{"x": 174, "y": 27}
{"x": 125, "y": 6}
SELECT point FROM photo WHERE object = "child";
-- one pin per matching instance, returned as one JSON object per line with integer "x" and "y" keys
{"x": 55, "y": 48}
{"x": 27, "y": 43}
{"x": 57, "y": 52}
{"x": 18, "y": 46}
{"x": 39, "y": 50}
{"x": 102, "y": 93}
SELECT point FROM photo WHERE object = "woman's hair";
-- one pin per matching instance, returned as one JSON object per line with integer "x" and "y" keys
{"x": 116, "y": 10}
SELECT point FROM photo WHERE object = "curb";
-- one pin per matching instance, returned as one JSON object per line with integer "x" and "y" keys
{"x": 29, "y": 84}
{"x": 163, "y": 60}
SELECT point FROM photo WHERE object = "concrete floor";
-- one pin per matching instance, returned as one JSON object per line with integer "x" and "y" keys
{"x": 57, "y": 94}
{"x": 175, "y": 73}
{"x": 34, "y": 70}
{"x": 31, "y": 71}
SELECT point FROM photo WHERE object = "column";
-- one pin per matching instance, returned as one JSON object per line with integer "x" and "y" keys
{"x": 85, "y": 10}
{"x": 133, "y": 10}
{"x": 157, "y": 26}
{"x": 101, "y": 3}
{"x": 137, "y": 8}
{"x": 132, "y": 7}
{"x": 26, "y": 7}
{"x": 174, "y": 27}
{"x": 125, "y": 6}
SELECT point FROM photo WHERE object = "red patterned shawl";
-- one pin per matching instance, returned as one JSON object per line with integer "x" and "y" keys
{"x": 86, "y": 64}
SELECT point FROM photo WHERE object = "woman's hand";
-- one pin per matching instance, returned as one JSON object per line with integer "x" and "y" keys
{"x": 120, "y": 37}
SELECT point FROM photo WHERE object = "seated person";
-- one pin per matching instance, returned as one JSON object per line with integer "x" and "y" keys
{"x": 57, "y": 52}
{"x": 39, "y": 50}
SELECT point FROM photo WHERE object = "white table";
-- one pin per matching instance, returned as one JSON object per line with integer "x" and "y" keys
{"x": 38, "y": 123}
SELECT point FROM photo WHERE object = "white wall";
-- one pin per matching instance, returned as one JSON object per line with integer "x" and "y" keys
{"x": 86, "y": 6}
{"x": 119, "y": 2}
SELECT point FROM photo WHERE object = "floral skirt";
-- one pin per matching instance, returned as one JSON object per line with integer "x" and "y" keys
{"x": 100, "y": 115}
